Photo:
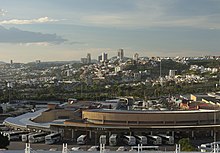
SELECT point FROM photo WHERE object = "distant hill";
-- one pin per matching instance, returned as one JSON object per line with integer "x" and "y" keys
{"x": 55, "y": 62}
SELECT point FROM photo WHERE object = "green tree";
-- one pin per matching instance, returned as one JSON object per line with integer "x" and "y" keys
{"x": 4, "y": 142}
{"x": 186, "y": 145}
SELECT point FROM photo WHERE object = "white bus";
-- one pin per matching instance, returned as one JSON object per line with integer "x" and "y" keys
{"x": 81, "y": 140}
{"x": 141, "y": 139}
{"x": 113, "y": 140}
{"x": 3, "y": 127}
{"x": 129, "y": 140}
{"x": 52, "y": 138}
{"x": 208, "y": 147}
{"x": 24, "y": 137}
{"x": 37, "y": 137}
{"x": 167, "y": 139}
{"x": 146, "y": 148}
{"x": 155, "y": 140}
{"x": 15, "y": 135}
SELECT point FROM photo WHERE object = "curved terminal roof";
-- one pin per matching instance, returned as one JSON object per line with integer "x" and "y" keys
{"x": 150, "y": 111}
{"x": 25, "y": 120}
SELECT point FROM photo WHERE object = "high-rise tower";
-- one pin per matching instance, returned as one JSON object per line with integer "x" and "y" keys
{"x": 121, "y": 54}
{"x": 88, "y": 58}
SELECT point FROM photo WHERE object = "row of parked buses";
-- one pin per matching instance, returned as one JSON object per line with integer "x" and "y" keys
{"x": 142, "y": 139}
{"x": 25, "y": 136}
{"x": 114, "y": 139}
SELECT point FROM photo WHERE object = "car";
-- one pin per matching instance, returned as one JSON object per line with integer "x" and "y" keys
{"x": 94, "y": 148}
{"x": 53, "y": 149}
{"x": 122, "y": 148}
{"x": 76, "y": 149}
{"x": 132, "y": 150}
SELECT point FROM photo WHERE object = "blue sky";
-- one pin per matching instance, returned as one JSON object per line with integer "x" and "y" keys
{"x": 52, "y": 30}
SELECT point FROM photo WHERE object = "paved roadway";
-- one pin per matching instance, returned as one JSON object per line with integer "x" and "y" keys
{"x": 16, "y": 145}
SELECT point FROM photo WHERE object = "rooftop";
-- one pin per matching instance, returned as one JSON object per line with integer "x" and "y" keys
{"x": 148, "y": 111}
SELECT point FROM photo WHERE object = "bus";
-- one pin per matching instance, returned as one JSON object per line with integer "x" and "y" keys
{"x": 81, "y": 140}
{"x": 113, "y": 140}
{"x": 15, "y": 135}
{"x": 129, "y": 140}
{"x": 141, "y": 139}
{"x": 3, "y": 127}
{"x": 146, "y": 148}
{"x": 209, "y": 147}
{"x": 52, "y": 138}
{"x": 155, "y": 140}
{"x": 37, "y": 137}
{"x": 206, "y": 147}
{"x": 166, "y": 139}
{"x": 24, "y": 137}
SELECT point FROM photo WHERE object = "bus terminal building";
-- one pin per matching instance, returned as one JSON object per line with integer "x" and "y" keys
{"x": 72, "y": 122}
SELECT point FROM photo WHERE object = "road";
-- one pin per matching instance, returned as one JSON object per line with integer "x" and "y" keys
{"x": 16, "y": 145}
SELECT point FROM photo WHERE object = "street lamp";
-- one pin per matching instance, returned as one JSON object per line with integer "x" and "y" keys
{"x": 215, "y": 148}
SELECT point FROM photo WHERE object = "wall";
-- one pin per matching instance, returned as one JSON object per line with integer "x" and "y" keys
{"x": 150, "y": 118}
{"x": 52, "y": 115}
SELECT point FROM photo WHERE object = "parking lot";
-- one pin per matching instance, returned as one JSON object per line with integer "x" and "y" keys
{"x": 17, "y": 145}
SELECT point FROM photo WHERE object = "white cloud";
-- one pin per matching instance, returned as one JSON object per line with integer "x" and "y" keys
{"x": 2, "y": 12}
{"x": 154, "y": 14}
{"x": 36, "y": 44}
{"x": 103, "y": 19}
{"x": 141, "y": 20}
{"x": 30, "y": 21}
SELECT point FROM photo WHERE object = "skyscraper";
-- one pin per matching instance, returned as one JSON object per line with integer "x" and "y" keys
{"x": 100, "y": 58}
{"x": 103, "y": 57}
{"x": 136, "y": 56}
{"x": 172, "y": 73}
{"x": 88, "y": 58}
{"x": 120, "y": 54}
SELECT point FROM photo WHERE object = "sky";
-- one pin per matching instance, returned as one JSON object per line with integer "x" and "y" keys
{"x": 65, "y": 30}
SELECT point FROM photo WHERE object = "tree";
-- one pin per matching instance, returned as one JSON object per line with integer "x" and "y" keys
{"x": 186, "y": 145}
{"x": 4, "y": 142}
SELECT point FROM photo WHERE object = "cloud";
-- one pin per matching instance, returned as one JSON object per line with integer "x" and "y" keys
{"x": 130, "y": 21}
{"x": 159, "y": 13}
{"x": 104, "y": 19}
{"x": 2, "y": 12}
{"x": 30, "y": 21}
{"x": 14, "y": 35}
{"x": 35, "y": 44}
{"x": 77, "y": 43}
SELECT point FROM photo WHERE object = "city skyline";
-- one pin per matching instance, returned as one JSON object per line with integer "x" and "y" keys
{"x": 68, "y": 30}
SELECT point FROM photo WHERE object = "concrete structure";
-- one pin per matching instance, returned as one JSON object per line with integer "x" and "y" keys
{"x": 192, "y": 124}
{"x": 73, "y": 122}
{"x": 104, "y": 57}
{"x": 172, "y": 73}
{"x": 84, "y": 60}
{"x": 136, "y": 56}
{"x": 146, "y": 119}
{"x": 41, "y": 119}
{"x": 120, "y": 54}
